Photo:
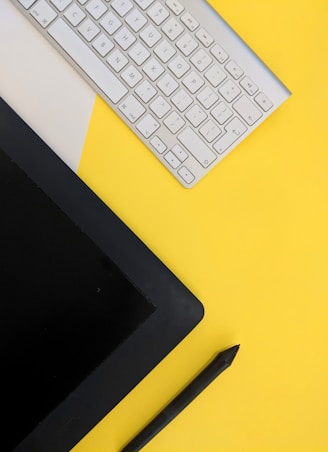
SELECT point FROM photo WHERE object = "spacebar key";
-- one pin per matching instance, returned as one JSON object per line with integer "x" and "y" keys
{"x": 87, "y": 61}
{"x": 196, "y": 147}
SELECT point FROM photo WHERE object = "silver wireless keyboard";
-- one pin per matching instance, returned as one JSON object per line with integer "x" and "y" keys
{"x": 174, "y": 71}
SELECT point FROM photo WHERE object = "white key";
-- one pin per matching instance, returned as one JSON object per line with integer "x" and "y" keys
{"x": 182, "y": 100}
{"x": 83, "y": 2}
{"x": 263, "y": 101}
{"x": 175, "y": 6}
{"x": 167, "y": 85}
{"x": 132, "y": 76}
{"x": 180, "y": 153}
{"x": 124, "y": 38}
{"x": 215, "y": 75}
{"x": 249, "y": 86}
{"x": 187, "y": 44}
{"x": 60, "y": 4}
{"x": 210, "y": 131}
{"x": 207, "y": 97}
{"x": 27, "y": 3}
{"x": 150, "y": 35}
{"x": 96, "y": 8}
{"x": 88, "y": 61}
{"x": 74, "y": 14}
{"x": 136, "y": 20}
{"x": 234, "y": 69}
{"x": 204, "y": 37}
{"x": 132, "y": 109}
{"x": 165, "y": 51}
{"x": 172, "y": 29}
{"x": 144, "y": 3}
{"x": 196, "y": 115}
{"x": 234, "y": 130}
{"x": 103, "y": 45}
{"x": 139, "y": 54}
{"x": 158, "y": 144}
{"x": 247, "y": 110}
{"x": 160, "y": 107}
{"x": 148, "y": 125}
{"x": 117, "y": 60}
{"x": 174, "y": 122}
{"x": 186, "y": 175}
{"x": 193, "y": 82}
{"x": 190, "y": 22}
{"x": 172, "y": 160}
{"x": 229, "y": 90}
{"x": 43, "y": 13}
{"x": 89, "y": 30}
{"x": 122, "y": 7}
{"x": 153, "y": 69}
{"x": 221, "y": 113}
{"x": 179, "y": 66}
{"x": 158, "y": 13}
{"x": 219, "y": 53}
{"x": 110, "y": 23}
{"x": 201, "y": 60}
{"x": 145, "y": 91}
{"x": 197, "y": 147}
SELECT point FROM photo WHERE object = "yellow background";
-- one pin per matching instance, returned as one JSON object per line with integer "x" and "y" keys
{"x": 251, "y": 242}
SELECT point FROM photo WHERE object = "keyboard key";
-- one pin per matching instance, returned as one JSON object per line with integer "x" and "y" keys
{"x": 182, "y": 100}
{"x": 160, "y": 107}
{"x": 172, "y": 159}
{"x": 215, "y": 75}
{"x": 210, "y": 131}
{"x": 122, "y": 7}
{"x": 221, "y": 113}
{"x": 197, "y": 147}
{"x": 146, "y": 91}
{"x": 174, "y": 122}
{"x": 124, "y": 38}
{"x": 158, "y": 144}
{"x": 179, "y": 66}
{"x": 207, "y": 97}
{"x": 148, "y": 125}
{"x": 132, "y": 76}
{"x": 117, "y": 60}
{"x": 27, "y": 3}
{"x": 132, "y": 108}
{"x": 165, "y": 51}
{"x": 229, "y": 90}
{"x": 249, "y": 86}
{"x": 74, "y": 14}
{"x": 174, "y": 6}
{"x": 263, "y": 101}
{"x": 190, "y": 21}
{"x": 167, "y": 85}
{"x": 172, "y": 29}
{"x": 201, "y": 60}
{"x": 234, "y": 70}
{"x": 110, "y": 23}
{"x": 136, "y": 20}
{"x": 103, "y": 45}
{"x": 196, "y": 115}
{"x": 193, "y": 82}
{"x": 150, "y": 36}
{"x": 220, "y": 54}
{"x": 186, "y": 175}
{"x": 96, "y": 8}
{"x": 153, "y": 69}
{"x": 144, "y": 3}
{"x": 43, "y": 13}
{"x": 234, "y": 130}
{"x": 158, "y": 13}
{"x": 59, "y": 4}
{"x": 89, "y": 30}
{"x": 187, "y": 44}
{"x": 139, "y": 54}
{"x": 247, "y": 110}
{"x": 180, "y": 153}
{"x": 88, "y": 61}
{"x": 205, "y": 38}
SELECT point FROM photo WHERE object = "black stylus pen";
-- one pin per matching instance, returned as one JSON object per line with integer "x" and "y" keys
{"x": 221, "y": 362}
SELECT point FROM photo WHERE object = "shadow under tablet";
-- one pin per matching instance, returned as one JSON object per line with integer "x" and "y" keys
{"x": 86, "y": 309}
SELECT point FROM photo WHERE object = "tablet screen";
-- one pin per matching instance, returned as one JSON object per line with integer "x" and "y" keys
{"x": 64, "y": 305}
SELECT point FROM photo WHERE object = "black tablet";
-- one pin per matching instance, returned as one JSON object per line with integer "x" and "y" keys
{"x": 87, "y": 310}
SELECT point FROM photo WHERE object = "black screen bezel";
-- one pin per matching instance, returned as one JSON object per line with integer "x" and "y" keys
{"x": 178, "y": 311}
